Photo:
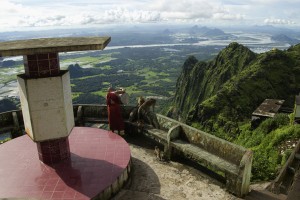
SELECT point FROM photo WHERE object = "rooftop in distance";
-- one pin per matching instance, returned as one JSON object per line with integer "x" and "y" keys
{"x": 268, "y": 108}
{"x": 46, "y": 45}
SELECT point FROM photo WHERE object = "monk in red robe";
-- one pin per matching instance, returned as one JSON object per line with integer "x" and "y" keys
{"x": 113, "y": 103}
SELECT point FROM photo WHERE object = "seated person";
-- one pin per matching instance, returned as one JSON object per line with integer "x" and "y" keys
{"x": 143, "y": 112}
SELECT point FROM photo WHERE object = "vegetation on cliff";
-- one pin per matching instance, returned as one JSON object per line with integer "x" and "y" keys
{"x": 219, "y": 97}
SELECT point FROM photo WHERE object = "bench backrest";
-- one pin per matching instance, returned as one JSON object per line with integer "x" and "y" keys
{"x": 166, "y": 123}
{"x": 215, "y": 145}
{"x": 210, "y": 143}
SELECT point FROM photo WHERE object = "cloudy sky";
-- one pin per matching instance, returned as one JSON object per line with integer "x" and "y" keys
{"x": 18, "y": 14}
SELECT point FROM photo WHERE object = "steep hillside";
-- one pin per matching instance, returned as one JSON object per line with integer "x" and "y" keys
{"x": 200, "y": 80}
{"x": 219, "y": 94}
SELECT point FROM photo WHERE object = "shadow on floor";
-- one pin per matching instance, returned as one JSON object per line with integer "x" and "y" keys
{"x": 143, "y": 183}
{"x": 149, "y": 144}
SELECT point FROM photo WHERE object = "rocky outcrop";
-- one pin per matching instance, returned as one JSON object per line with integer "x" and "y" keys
{"x": 201, "y": 80}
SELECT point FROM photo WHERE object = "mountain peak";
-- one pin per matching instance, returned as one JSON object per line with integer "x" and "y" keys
{"x": 189, "y": 63}
{"x": 234, "y": 84}
{"x": 233, "y": 46}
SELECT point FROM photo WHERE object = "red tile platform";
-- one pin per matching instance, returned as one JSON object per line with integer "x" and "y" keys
{"x": 99, "y": 164}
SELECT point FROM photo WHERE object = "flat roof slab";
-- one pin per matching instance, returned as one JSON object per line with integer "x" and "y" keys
{"x": 268, "y": 108}
{"x": 49, "y": 45}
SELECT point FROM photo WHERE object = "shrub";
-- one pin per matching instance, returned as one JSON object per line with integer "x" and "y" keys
{"x": 264, "y": 141}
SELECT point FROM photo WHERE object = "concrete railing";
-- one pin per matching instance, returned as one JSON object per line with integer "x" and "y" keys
{"x": 12, "y": 122}
{"x": 233, "y": 161}
{"x": 283, "y": 182}
{"x": 85, "y": 113}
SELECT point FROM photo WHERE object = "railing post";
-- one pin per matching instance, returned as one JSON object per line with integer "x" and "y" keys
{"x": 173, "y": 133}
{"x": 16, "y": 132}
{"x": 80, "y": 116}
{"x": 16, "y": 121}
{"x": 243, "y": 180}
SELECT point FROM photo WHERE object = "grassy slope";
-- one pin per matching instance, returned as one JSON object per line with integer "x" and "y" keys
{"x": 226, "y": 110}
{"x": 272, "y": 75}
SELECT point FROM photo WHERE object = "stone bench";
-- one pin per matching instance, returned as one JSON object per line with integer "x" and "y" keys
{"x": 233, "y": 161}
{"x": 162, "y": 133}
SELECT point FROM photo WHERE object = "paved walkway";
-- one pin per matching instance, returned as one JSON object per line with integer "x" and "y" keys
{"x": 156, "y": 180}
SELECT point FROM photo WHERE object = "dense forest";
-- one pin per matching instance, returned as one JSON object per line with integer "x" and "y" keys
{"x": 150, "y": 71}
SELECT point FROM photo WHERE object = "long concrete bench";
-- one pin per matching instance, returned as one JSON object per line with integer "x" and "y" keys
{"x": 219, "y": 155}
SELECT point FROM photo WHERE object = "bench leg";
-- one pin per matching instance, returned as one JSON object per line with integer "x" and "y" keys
{"x": 230, "y": 183}
{"x": 234, "y": 185}
{"x": 168, "y": 152}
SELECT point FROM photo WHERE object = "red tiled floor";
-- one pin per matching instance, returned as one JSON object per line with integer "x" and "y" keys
{"x": 98, "y": 158}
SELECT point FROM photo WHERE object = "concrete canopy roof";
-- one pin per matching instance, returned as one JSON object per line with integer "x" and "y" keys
{"x": 51, "y": 45}
{"x": 268, "y": 108}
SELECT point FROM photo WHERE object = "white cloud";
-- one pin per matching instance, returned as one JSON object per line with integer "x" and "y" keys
{"x": 125, "y": 15}
{"x": 184, "y": 9}
{"x": 278, "y": 21}
{"x": 260, "y": 2}
{"x": 20, "y": 13}
{"x": 228, "y": 16}
{"x": 13, "y": 14}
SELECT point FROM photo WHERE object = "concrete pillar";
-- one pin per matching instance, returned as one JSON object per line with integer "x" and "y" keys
{"x": 46, "y": 101}
{"x": 45, "y": 91}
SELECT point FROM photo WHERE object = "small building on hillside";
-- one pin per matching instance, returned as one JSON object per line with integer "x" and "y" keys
{"x": 267, "y": 109}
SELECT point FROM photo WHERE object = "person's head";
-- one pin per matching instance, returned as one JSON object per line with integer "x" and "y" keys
{"x": 110, "y": 89}
{"x": 141, "y": 100}
{"x": 121, "y": 89}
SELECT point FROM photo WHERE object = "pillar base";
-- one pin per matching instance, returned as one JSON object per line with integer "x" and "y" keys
{"x": 54, "y": 151}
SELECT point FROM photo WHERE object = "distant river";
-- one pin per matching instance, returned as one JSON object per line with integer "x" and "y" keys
{"x": 148, "y": 45}
{"x": 256, "y": 46}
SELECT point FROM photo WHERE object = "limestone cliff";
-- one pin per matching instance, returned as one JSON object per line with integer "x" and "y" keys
{"x": 220, "y": 93}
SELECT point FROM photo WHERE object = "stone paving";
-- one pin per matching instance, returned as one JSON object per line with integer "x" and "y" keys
{"x": 156, "y": 180}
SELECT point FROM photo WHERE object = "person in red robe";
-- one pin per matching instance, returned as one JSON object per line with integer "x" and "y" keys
{"x": 115, "y": 119}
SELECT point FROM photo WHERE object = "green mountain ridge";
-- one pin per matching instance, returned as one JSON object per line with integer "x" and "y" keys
{"x": 226, "y": 90}
{"x": 200, "y": 80}
{"x": 219, "y": 97}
